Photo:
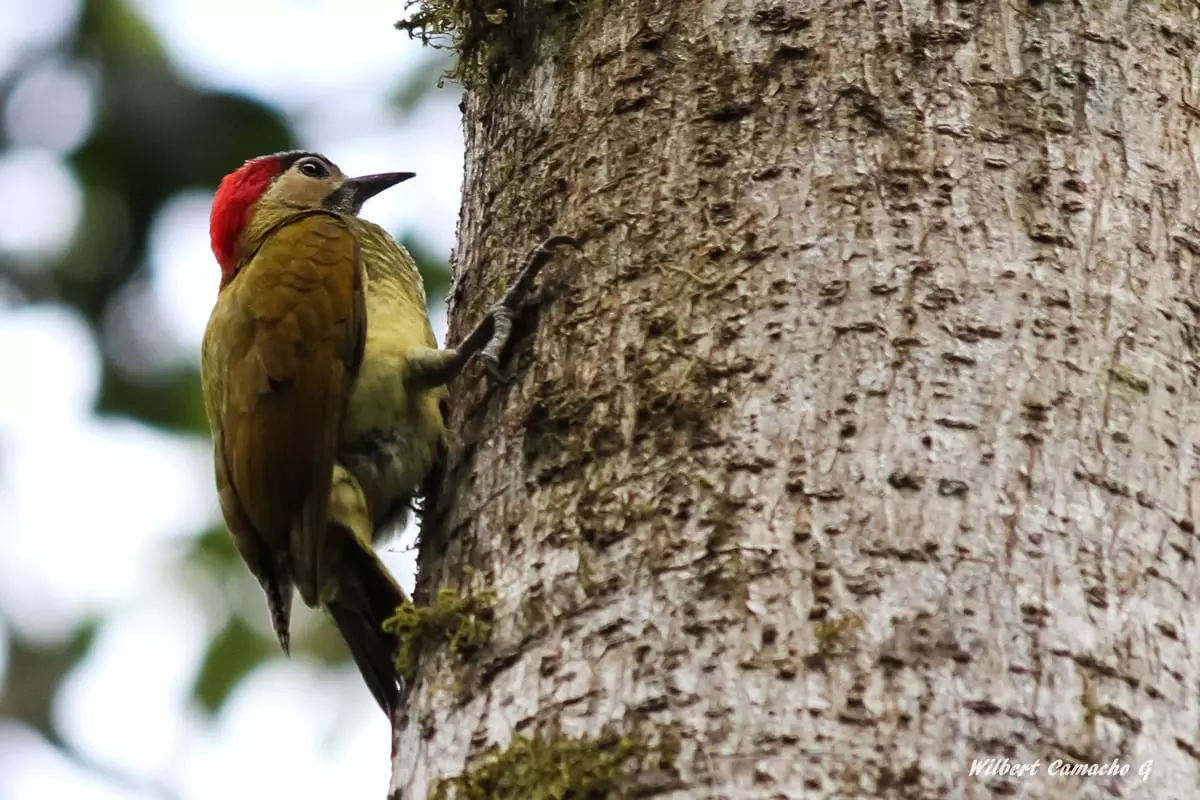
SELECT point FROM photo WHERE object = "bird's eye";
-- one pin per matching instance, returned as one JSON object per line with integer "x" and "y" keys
{"x": 313, "y": 168}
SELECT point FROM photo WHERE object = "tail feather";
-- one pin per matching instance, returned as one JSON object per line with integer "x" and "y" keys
{"x": 279, "y": 604}
{"x": 367, "y": 596}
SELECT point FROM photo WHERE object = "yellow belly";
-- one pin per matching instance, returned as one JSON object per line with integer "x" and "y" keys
{"x": 389, "y": 437}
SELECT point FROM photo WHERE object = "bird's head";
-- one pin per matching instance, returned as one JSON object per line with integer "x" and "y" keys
{"x": 264, "y": 190}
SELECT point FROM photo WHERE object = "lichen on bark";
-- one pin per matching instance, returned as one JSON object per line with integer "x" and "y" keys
{"x": 556, "y": 767}
{"x": 460, "y": 623}
{"x": 486, "y": 36}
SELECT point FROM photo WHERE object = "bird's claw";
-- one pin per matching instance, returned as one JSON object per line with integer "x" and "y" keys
{"x": 502, "y": 319}
{"x": 503, "y": 312}
{"x": 559, "y": 240}
{"x": 491, "y": 366}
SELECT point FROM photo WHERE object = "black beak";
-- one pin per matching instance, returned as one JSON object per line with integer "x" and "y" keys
{"x": 353, "y": 192}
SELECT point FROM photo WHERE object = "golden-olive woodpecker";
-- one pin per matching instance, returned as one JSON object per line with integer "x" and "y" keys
{"x": 322, "y": 384}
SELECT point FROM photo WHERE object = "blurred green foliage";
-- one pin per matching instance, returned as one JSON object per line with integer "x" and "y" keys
{"x": 154, "y": 136}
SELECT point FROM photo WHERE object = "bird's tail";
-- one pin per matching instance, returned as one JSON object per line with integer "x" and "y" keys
{"x": 367, "y": 597}
{"x": 366, "y": 594}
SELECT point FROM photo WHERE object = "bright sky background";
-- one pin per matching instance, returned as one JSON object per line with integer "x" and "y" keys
{"x": 110, "y": 548}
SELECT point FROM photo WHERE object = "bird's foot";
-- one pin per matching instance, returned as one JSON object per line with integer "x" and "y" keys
{"x": 502, "y": 313}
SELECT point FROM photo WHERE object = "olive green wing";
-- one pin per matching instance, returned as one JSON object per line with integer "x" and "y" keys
{"x": 294, "y": 325}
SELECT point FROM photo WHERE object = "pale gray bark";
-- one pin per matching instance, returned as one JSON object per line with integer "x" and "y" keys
{"x": 863, "y": 440}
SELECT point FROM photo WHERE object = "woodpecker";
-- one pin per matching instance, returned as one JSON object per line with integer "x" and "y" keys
{"x": 323, "y": 386}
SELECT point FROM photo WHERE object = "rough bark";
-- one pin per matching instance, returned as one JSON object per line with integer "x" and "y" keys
{"x": 862, "y": 441}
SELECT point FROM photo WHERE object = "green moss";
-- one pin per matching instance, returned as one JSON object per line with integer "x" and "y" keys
{"x": 460, "y": 25}
{"x": 834, "y": 638}
{"x": 484, "y": 34}
{"x": 584, "y": 574}
{"x": 1091, "y": 709}
{"x": 830, "y": 631}
{"x": 554, "y": 768}
{"x": 463, "y": 623}
{"x": 1129, "y": 380}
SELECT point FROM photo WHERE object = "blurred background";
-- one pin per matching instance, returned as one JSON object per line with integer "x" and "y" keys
{"x": 136, "y": 660}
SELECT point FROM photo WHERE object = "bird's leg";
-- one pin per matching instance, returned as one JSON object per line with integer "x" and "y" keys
{"x": 429, "y": 368}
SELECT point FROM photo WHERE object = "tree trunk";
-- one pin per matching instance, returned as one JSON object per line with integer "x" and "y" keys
{"x": 861, "y": 442}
